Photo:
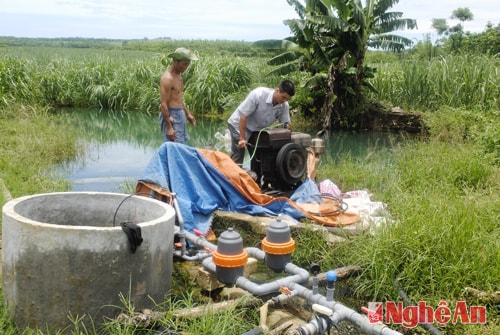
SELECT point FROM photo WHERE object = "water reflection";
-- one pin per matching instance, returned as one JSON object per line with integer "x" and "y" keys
{"x": 360, "y": 145}
{"x": 108, "y": 166}
{"x": 119, "y": 145}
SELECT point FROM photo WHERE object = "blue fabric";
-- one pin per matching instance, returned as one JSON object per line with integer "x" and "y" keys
{"x": 307, "y": 192}
{"x": 201, "y": 189}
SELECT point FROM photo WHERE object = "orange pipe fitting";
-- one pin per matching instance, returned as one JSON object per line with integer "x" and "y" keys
{"x": 278, "y": 248}
{"x": 230, "y": 261}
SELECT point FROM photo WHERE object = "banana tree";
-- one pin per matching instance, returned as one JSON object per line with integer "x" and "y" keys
{"x": 330, "y": 40}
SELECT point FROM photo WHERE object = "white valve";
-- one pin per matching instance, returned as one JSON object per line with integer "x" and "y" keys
{"x": 322, "y": 309}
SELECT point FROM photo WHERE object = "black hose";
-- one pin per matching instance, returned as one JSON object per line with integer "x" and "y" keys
{"x": 427, "y": 326}
{"x": 121, "y": 203}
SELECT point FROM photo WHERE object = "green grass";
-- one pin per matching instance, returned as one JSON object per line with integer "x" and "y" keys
{"x": 32, "y": 141}
{"x": 444, "y": 199}
{"x": 445, "y": 236}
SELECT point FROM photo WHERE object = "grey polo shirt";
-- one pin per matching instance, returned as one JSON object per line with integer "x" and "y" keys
{"x": 259, "y": 110}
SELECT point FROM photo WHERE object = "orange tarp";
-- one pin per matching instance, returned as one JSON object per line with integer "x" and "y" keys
{"x": 325, "y": 213}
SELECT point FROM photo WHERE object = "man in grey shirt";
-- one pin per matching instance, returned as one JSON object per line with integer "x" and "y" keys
{"x": 261, "y": 108}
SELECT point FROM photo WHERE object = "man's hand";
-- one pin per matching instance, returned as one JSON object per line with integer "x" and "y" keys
{"x": 191, "y": 119}
{"x": 171, "y": 134}
{"x": 242, "y": 144}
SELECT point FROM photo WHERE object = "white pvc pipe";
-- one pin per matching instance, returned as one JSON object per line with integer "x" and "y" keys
{"x": 292, "y": 282}
{"x": 341, "y": 312}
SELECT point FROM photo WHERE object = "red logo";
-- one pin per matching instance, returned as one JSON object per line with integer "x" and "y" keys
{"x": 411, "y": 316}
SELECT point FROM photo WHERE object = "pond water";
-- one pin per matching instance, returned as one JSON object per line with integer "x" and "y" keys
{"x": 119, "y": 145}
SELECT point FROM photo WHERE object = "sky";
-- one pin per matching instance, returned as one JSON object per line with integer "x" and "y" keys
{"x": 241, "y": 20}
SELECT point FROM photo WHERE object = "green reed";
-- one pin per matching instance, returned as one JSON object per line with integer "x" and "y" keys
{"x": 463, "y": 81}
{"x": 123, "y": 80}
{"x": 214, "y": 81}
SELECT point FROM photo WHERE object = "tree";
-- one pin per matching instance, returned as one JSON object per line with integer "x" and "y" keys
{"x": 463, "y": 14}
{"x": 440, "y": 26}
{"x": 456, "y": 32}
{"x": 330, "y": 40}
{"x": 486, "y": 42}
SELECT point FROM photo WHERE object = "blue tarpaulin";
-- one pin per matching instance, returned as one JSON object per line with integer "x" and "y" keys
{"x": 200, "y": 188}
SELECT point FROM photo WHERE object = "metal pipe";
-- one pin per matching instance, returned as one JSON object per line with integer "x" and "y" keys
{"x": 180, "y": 220}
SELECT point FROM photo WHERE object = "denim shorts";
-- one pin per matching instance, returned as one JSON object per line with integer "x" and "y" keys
{"x": 179, "y": 123}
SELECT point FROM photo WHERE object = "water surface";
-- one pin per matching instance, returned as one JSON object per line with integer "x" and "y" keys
{"x": 119, "y": 145}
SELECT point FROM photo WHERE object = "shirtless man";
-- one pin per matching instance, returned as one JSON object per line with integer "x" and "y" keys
{"x": 174, "y": 113}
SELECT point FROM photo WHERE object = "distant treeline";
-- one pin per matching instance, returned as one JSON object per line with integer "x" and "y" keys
{"x": 164, "y": 44}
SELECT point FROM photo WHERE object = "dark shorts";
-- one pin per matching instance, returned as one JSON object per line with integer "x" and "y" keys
{"x": 237, "y": 153}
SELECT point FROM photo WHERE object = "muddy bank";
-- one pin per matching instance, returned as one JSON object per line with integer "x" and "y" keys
{"x": 396, "y": 120}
